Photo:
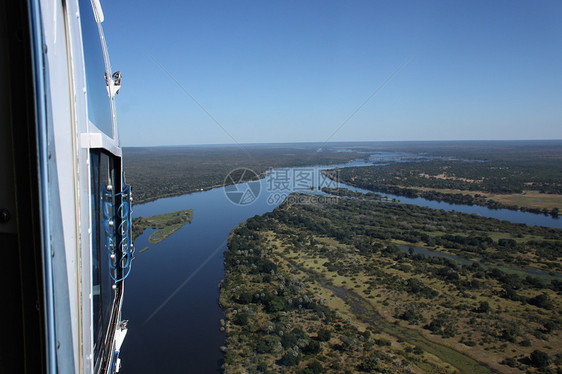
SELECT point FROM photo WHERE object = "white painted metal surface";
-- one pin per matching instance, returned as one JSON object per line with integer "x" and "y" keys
{"x": 73, "y": 137}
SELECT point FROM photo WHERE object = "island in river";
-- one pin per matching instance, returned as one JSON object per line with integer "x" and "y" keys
{"x": 338, "y": 287}
{"x": 166, "y": 224}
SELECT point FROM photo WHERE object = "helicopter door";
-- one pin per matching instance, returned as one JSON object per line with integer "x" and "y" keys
{"x": 104, "y": 227}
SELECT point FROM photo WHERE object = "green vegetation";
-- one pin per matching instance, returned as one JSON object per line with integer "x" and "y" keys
{"x": 520, "y": 179}
{"x": 162, "y": 172}
{"x": 166, "y": 223}
{"x": 514, "y": 175}
{"x": 329, "y": 288}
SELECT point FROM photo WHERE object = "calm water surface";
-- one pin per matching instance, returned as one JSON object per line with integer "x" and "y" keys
{"x": 171, "y": 296}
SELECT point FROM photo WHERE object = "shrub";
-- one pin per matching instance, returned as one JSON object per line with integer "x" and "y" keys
{"x": 382, "y": 342}
{"x": 288, "y": 340}
{"x": 262, "y": 367}
{"x": 509, "y": 334}
{"x": 418, "y": 350}
{"x": 242, "y": 319}
{"x": 549, "y": 327}
{"x": 314, "y": 367}
{"x": 410, "y": 315}
{"x": 510, "y": 361}
{"x": 483, "y": 307}
{"x": 290, "y": 358}
{"x": 312, "y": 347}
{"x": 267, "y": 344}
{"x": 276, "y": 304}
{"x": 369, "y": 365}
{"x": 508, "y": 243}
{"x": 541, "y": 301}
{"x": 324, "y": 335}
{"x": 539, "y": 359}
{"x": 245, "y": 297}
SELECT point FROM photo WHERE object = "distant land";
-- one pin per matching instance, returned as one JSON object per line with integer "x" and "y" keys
{"x": 156, "y": 172}
{"x": 171, "y": 171}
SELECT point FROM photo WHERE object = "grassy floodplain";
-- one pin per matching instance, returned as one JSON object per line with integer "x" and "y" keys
{"x": 166, "y": 223}
{"x": 527, "y": 199}
{"x": 314, "y": 288}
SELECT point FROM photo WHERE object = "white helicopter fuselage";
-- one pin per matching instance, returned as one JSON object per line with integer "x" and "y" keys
{"x": 65, "y": 208}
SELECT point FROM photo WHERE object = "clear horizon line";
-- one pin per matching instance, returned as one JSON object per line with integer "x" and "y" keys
{"x": 344, "y": 141}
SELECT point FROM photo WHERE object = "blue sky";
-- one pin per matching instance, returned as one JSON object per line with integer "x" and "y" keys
{"x": 291, "y": 71}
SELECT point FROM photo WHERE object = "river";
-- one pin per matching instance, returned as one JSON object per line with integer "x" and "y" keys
{"x": 171, "y": 295}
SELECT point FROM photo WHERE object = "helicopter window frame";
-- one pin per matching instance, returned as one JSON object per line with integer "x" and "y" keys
{"x": 98, "y": 71}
